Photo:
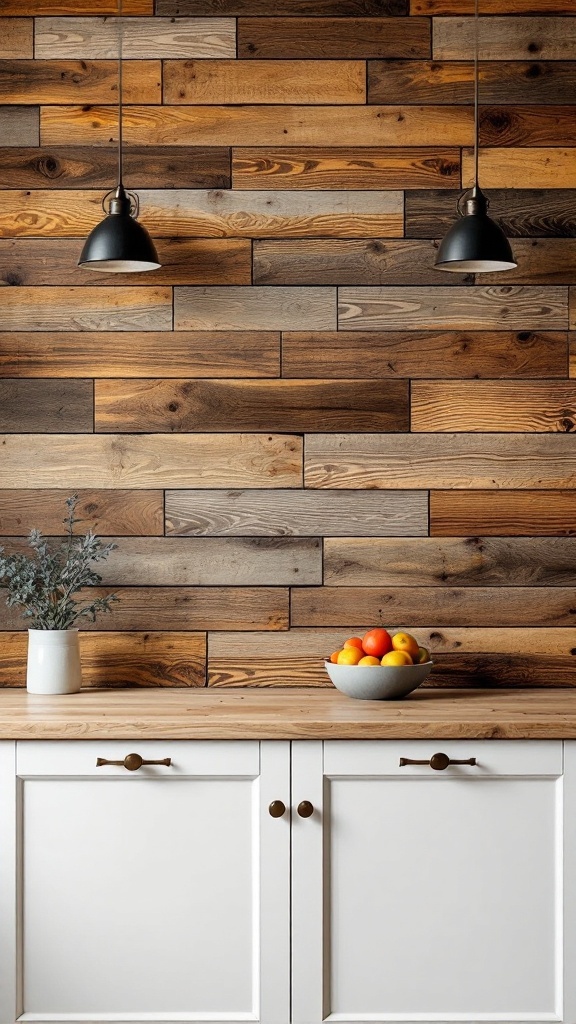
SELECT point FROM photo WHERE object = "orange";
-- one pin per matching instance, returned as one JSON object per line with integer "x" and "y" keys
{"x": 377, "y": 642}
{"x": 405, "y": 642}
{"x": 423, "y": 655}
{"x": 397, "y": 658}
{"x": 349, "y": 656}
{"x": 354, "y": 641}
{"x": 334, "y": 657}
{"x": 369, "y": 660}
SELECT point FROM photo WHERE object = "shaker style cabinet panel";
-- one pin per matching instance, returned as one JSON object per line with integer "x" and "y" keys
{"x": 160, "y": 894}
{"x": 434, "y": 895}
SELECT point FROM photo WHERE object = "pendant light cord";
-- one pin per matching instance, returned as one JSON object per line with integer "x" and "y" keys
{"x": 476, "y": 89}
{"x": 120, "y": 91}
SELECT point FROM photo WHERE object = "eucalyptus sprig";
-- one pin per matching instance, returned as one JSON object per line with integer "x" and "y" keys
{"x": 44, "y": 584}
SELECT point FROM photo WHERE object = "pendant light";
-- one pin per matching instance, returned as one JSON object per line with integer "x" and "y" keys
{"x": 119, "y": 244}
{"x": 475, "y": 244}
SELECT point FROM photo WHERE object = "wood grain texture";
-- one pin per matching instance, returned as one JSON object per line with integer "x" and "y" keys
{"x": 153, "y": 460}
{"x": 253, "y": 309}
{"x": 20, "y": 126}
{"x": 433, "y": 606}
{"x": 134, "y": 354}
{"x": 184, "y": 608}
{"x": 451, "y": 81}
{"x": 189, "y": 213}
{"x": 333, "y": 37}
{"x": 452, "y": 562}
{"x": 16, "y": 37}
{"x": 264, "y": 81}
{"x": 339, "y": 168}
{"x": 542, "y": 126}
{"x": 50, "y": 261}
{"x": 541, "y": 168}
{"x": 346, "y": 262}
{"x": 86, "y": 309}
{"x": 46, "y": 406}
{"x": 497, "y": 307}
{"x": 572, "y": 309}
{"x": 295, "y": 8}
{"x": 546, "y": 38}
{"x": 214, "y": 561}
{"x": 540, "y": 261}
{"x": 427, "y": 354}
{"x": 352, "y": 461}
{"x": 260, "y": 125}
{"x": 498, "y": 406}
{"x": 91, "y": 167}
{"x": 152, "y": 406}
{"x": 43, "y": 7}
{"x": 510, "y": 513}
{"x": 300, "y": 513}
{"x": 78, "y": 81}
{"x": 120, "y": 659}
{"x": 83, "y": 38}
{"x": 536, "y": 212}
{"x": 108, "y": 513}
{"x": 491, "y": 7}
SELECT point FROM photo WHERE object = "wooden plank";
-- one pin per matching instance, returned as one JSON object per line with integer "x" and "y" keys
{"x": 120, "y": 659}
{"x": 498, "y": 406}
{"x": 86, "y": 309}
{"x": 572, "y": 356}
{"x": 525, "y": 38}
{"x": 506, "y": 83}
{"x": 452, "y": 562}
{"x": 108, "y": 513}
{"x": 38, "y": 261}
{"x": 540, "y": 261}
{"x": 84, "y": 38}
{"x": 94, "y": 167}
{"x": 527, "y": 126}
{"x": 572, "y": 294}
{"x": 221, "y": 213}
{"x": 336, "y": 168}
{"x": 214, "y": 561}
{"x": 183, "y": 608}
{"x": 350, "y": 607}
{"x": 346, "y": 262}
{"x": 79, "y": 81}
{"x": 531, "y": 212}
{"x": 16, "y": 37}
{"x": 506, "y": 513}
{"x": 253, "y": 309}
{"x": 259, "y": 125}
{"x": 333, "y": 37}
{"x": 153, "y": 460}
{"x": 492, "y": 7}
{"x": 152, "y": 406}
{"x": 46, "y": 406}
{"x": 356, "y": 461}
{"x": 20, "y": 126}
{"x": 539, "y": 168}
{"x": 252, "y": 8}
{"x": 133, "y": 354}
{"x": 498, "y": 307}
{"x": 268, "y": 513}
{"x": 497, "y": 670}
{"x": 425, "y": 354}
{"x": 264, "y": 81}
{"x": 43, "y": 7}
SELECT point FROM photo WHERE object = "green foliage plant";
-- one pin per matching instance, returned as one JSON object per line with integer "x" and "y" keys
{"x": 44, "y": 583}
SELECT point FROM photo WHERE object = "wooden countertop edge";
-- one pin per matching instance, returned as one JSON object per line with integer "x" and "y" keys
{"x": 212, "y": 714}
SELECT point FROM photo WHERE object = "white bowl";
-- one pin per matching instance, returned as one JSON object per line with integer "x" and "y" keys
{"x": 377, "y": 682}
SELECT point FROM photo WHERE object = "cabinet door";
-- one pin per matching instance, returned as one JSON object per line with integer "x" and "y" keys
{"x": 425, "y": 895}
{"x": 160, "y": 894}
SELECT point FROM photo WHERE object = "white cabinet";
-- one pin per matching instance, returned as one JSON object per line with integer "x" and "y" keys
{"x": 434, "y": 895}
{"x": 160, "y": 894}
{"x": 171, "y": 893}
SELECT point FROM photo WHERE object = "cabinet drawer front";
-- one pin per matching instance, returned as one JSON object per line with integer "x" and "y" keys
{"x": 493, "y": 757}
{"x": 197, "y": 757}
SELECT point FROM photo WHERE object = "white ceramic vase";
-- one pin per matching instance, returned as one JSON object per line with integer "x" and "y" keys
{"x": 53, "y": 661}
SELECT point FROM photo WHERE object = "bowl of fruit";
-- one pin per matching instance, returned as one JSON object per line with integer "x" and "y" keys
{"x": 379, "y": 665}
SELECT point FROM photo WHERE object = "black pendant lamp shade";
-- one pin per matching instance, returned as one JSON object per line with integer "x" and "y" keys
{"x": 119, "y": 244}
{"x": 475, "y": 244}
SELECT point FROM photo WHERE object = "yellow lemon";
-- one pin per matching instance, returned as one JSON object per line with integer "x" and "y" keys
{"x": 397, "y": 658}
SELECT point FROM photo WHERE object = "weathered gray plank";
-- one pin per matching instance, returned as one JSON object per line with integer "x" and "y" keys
{"x": 46, "y": 406}
{"x": 86, "y": 309}
{"x": 20, "y": 126}
{"x": 84, "y": 38}
{"x": 508, "y": 38}
{"x": 253, "y": 309}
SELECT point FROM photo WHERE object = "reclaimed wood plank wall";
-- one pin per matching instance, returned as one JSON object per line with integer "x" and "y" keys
{"x": 297, "y": 428}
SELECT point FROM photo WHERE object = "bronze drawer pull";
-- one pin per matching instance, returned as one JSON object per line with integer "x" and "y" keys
{"x": 438, "y": 762}
{"x": 305, "y": 809}
{"x": 132, "y": 762}
{"x": 277, "y": 808}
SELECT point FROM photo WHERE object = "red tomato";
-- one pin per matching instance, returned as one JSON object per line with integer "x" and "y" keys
{"x": 377, "y": 642}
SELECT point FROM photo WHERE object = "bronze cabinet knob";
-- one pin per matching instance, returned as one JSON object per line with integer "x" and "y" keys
{"x": 132, "y": 762}
{"x": 439, "y": 762}
{"x": 305, "y": 809}
{"x": 277, "y": 808}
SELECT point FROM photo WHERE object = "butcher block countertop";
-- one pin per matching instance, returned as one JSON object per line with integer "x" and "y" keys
{"x": 133, "y": 714}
